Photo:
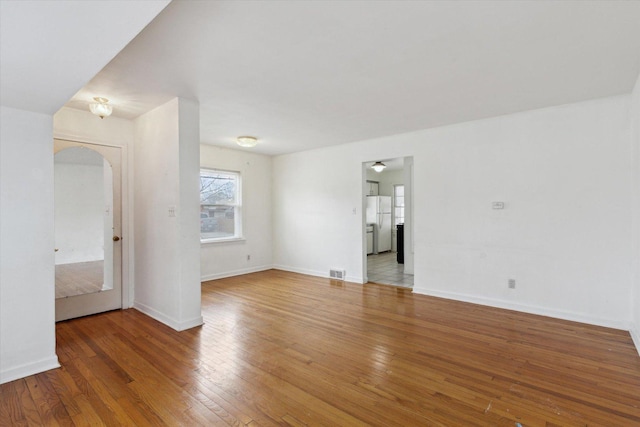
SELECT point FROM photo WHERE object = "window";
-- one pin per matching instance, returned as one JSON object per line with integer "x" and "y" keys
{"x": 220, "y": 205}
{"x": 398, "y": 204}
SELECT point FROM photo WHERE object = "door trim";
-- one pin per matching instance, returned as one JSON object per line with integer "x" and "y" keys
{"x": 126, "y": 220}
{"x": 127, "y": 210}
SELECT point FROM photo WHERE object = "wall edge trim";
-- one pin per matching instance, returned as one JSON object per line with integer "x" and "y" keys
{"x": 29, "y": 369}
{"x": 530, "y": 309}
{"x": 232, "y": 273}
{"x": 351, "y": 279}
{"x": 635, "y": 337}
{"x": 167, "y": 320}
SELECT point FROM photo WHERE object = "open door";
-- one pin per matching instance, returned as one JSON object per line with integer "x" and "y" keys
{"x": 87, "y": 228}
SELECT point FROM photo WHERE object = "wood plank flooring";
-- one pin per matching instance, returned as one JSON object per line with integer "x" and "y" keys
{"x": 79, "y": 278}
{"x": 280, "y": 348}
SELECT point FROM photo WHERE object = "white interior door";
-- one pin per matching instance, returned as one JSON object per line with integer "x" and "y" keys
{"x": 87, "y": 228}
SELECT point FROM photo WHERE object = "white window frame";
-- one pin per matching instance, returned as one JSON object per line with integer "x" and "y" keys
{"x": 237, "y": 214}
{"x": 395, "y": 218}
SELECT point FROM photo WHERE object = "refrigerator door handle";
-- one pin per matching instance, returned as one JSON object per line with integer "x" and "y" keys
{"x": 380, "y": 220}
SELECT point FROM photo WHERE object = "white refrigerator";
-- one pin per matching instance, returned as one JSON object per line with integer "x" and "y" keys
{"x": 379, "y": 215}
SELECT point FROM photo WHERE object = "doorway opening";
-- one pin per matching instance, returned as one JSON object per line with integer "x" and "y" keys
{"x": 387, "y": 222}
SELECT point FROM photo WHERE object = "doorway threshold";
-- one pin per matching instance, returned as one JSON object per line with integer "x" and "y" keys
{"x": 384, "y": 269}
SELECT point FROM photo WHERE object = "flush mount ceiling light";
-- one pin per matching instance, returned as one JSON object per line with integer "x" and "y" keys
{"x": 101, "y": 107}
{"x": 378, "y": 166}
{"x": 247, "y": 141}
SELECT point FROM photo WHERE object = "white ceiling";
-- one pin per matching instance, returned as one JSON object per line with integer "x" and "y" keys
{"x": 50, "y": 49}
{"x": 300, "y": 75}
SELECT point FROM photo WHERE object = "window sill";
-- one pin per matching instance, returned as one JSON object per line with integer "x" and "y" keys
{"x": 223, "y": 240}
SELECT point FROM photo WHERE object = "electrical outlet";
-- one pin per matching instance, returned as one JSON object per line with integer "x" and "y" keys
{"x": 512, "y": 283}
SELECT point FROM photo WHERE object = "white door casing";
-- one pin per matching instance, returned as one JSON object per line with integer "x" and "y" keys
{"x": 110, "y": 297}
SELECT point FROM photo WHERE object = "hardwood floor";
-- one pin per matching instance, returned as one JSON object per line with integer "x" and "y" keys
{"x": 286, "y": 349}
{"x": 79, "y": 278}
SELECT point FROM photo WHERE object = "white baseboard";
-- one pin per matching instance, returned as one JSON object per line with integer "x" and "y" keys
{"x": 167, "y": 320}
{"x": 635, "y": 336}
{"x": 353, "y": 279}
{"x": 232, "y": 273}
{"x": 27, "y": 369}
{"x": 356, "y": 279}
{"x": 491, "y": 302}
{"x": 509, "y": 305}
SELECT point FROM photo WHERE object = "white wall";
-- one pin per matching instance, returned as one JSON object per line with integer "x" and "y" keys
{"x": 386, "y": 179}
{"x": 27, "y": 310}
{"x": 82, "y": 126}
{"x": 189, "y": 290}
{"x": 564, "y": 174}
{"x": 230, "y": 258}
{"x": 167, "y": 248}
{"x": 79, "y": 212}
{"x": 635, "y": 141}
{"x": 318, "y": 223}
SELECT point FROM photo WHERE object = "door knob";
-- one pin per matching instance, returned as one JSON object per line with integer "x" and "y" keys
{"x": 116, "y": 238}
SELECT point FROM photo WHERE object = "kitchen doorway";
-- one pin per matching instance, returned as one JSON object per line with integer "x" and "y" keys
{"x": 88, "y": 251}
{"x": 387, "y": 222}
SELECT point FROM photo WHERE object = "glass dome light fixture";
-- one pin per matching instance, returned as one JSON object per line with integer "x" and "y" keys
{"x": 378, "y": 166}
{"x": 247, "y": 141}
{"x": 101, "y": 107}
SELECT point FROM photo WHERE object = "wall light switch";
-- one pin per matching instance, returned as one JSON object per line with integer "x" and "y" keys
{"x": 497, "y": 205}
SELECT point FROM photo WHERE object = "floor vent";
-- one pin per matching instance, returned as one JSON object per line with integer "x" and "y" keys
{"x": 337, "y": 274}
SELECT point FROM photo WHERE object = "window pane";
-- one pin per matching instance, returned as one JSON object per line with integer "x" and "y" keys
{"x": 218, "y": 188}
{"x": 217, "y": 222}
{"x": 398, "y": 202}
{"x": 219, "y": 205}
